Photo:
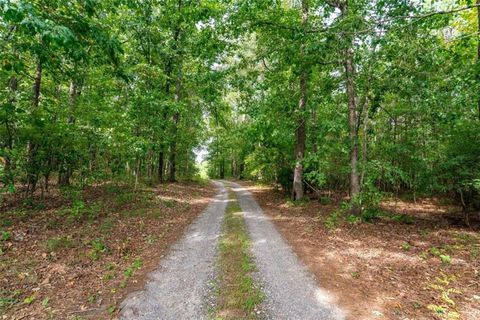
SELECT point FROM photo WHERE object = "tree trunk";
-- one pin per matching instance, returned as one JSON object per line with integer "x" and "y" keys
{"x": 9, "y": 179}
{"x": 67, "y": 172}
{"x": 161, "y": 164}
{"x": 222, "y": 169}
{"x": 365, "y": 112}
{"x": 178, "y": 86}
{"x": 32, "y": 165}
{"x": 176, "y": 119}
{"x": 161, "y": 155}
{"x": 352, "y": 115}
{"x": 300, "y": 132}
{"x": 173, "y": 149}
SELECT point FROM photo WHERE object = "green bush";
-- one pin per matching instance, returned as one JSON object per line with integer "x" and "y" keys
{"x": 333, "y": 220}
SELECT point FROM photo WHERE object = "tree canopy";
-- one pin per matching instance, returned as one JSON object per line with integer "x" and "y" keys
{"x": 369, "y": 97}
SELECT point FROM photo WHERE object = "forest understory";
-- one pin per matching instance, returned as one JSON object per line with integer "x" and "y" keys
{"x": 375, "y": 99}
{"x": 76, "y": 254}
{"x": 418, "y": 261}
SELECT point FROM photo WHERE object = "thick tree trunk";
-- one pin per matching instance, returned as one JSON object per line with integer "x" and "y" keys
{"x": 32, "y": 165}
{"x": 352, "y": 115}
{"x": 300, "y": 132}
{"x": 352, "y": 121}
{"x": 300, "y": 137}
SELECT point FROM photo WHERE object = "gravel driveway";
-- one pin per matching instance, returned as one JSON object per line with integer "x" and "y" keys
{"x": 291, "y": 290}
{"x": 177, "y": 289}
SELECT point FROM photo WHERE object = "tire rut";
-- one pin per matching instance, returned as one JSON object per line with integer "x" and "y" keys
{"x": 177, "y": 289}
{"x": 290, "y": 288}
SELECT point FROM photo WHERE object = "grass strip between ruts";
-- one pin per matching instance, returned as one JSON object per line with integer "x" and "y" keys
{"x": 238, "y": 295}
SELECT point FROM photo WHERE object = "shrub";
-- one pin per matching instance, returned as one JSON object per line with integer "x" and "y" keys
{"x": 325, "y": 200}
{"x": 98, "y": 247}
{"x": 403, "y": 218}
{"x": 333, "y": 220}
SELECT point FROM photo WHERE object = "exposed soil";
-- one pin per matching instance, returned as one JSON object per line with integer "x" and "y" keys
{"x": 424, "y": 266}
{"x": 76, "y": 256}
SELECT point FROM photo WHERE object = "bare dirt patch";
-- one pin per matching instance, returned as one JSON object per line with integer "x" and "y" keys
{"x": 77, "y": 256}
{"x": 417, "y": 265}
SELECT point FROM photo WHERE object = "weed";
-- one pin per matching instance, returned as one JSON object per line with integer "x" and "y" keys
{"x": 137, "y": 264}
{"x": 93, "y": 211}
{"x": 39, "y": 206}
{"x": 435, "y": 251}
{"x": 98, "y": 247}
{"x": 92, "y": 298}
{"x": 443, "y": 285}
{"x": 406, "y": 246}
{"x": 474, "y": 252}
{"x": 371, "y": 214}
{"x": 53, "y": 224}
{"x": 7, "y": 223}
{"x": 424, "y": 232}
{"x": 169, "y": 203}
{"x": 125, "y": 198}
{"x": 112, "y": 309}
{"x": 445, "y": 258}
{"x": 333, "y": 220}
{"x": 237, "y": 290}
{"x": 45, "y": 302}
{"x": 5, "y": 235}
{"x": 107, "y": 225}
{"x": 353, "y": 219}
{"x": 423, "y": 255}
{"x": 437, "y": 309}
{"x": 298, "y": 203}
{"x": 128, "y": 273}
{"x": 109, "y": 276}
{"x": 325, "y": 200}
{"x": 57, "y": 243}
{"x": 29, "y": 299}
{"x": 464, "y": 238}
{"x": 417, "y": 305}
{"x": 28, "y": 202}
{"x": 8, "y": 299}
{"x": 403, "y": 218}
{"x": 113, "y": 189}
